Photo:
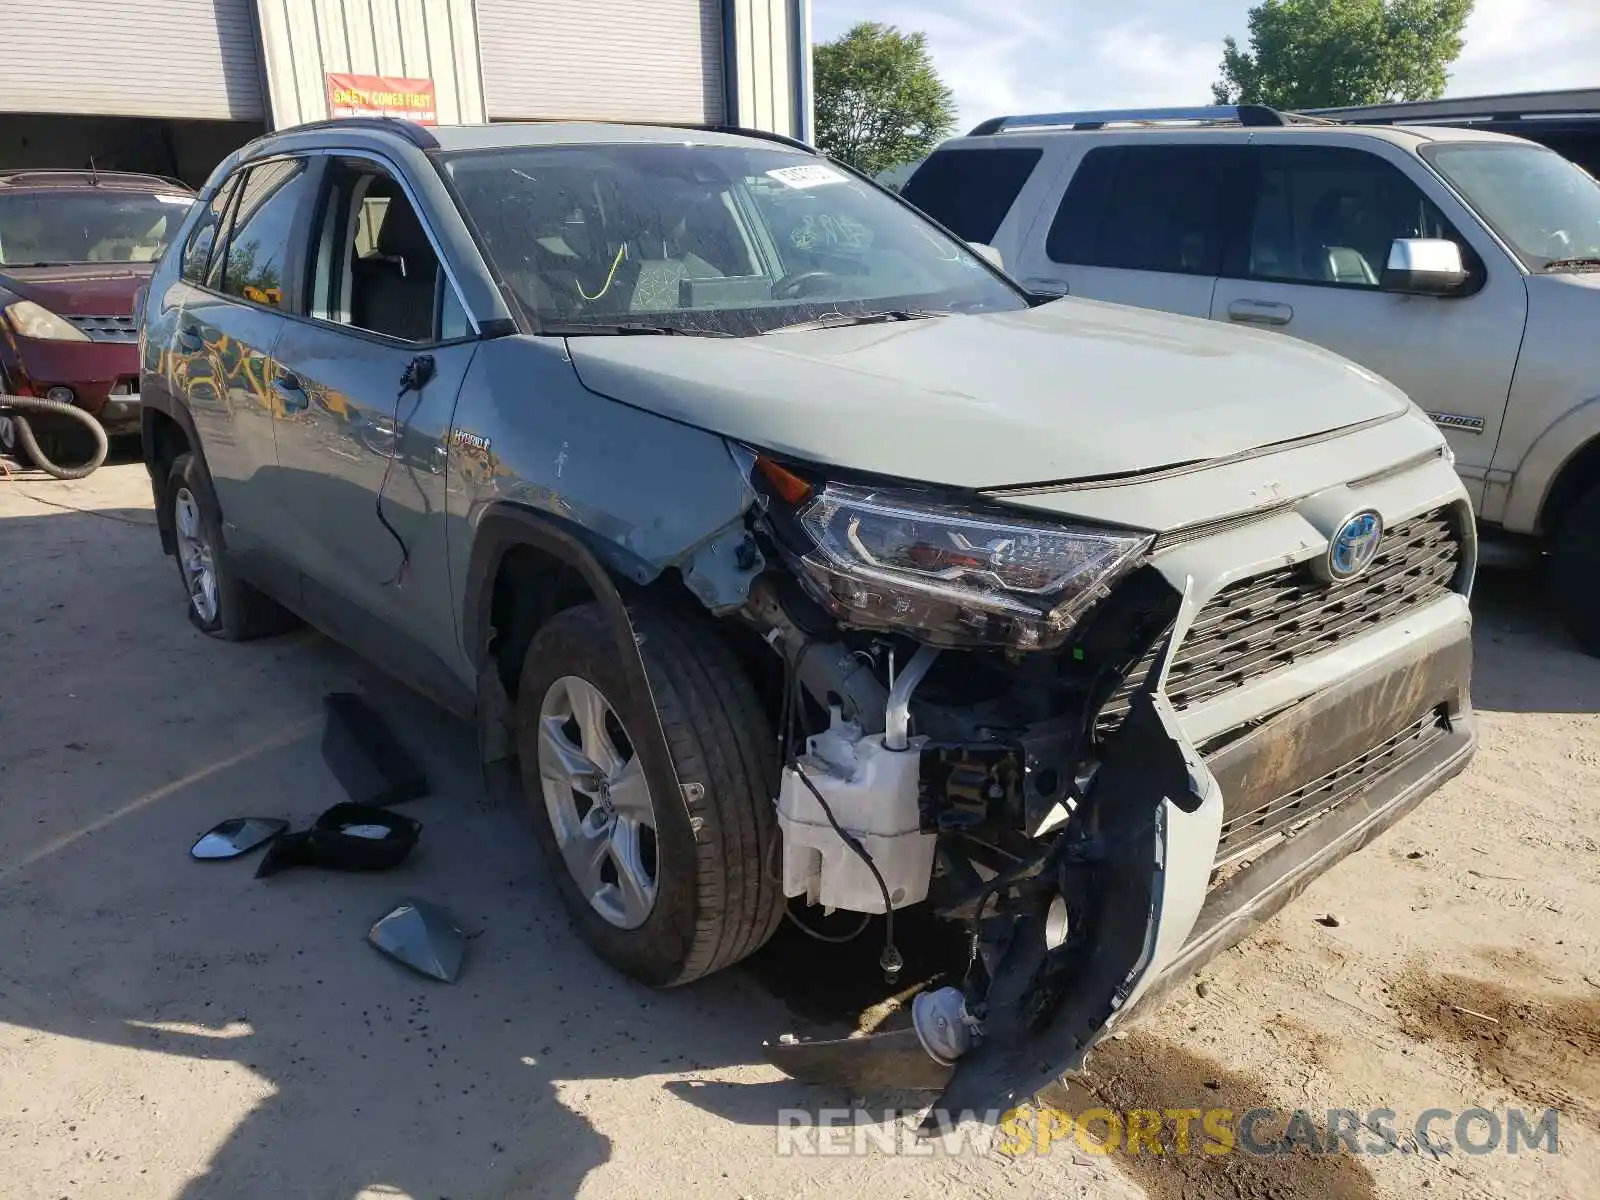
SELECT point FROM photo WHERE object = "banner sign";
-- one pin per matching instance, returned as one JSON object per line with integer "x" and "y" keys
{"x": 382, "y": 96}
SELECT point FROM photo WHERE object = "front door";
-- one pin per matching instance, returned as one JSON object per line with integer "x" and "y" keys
{"x": 366, "y": 386}
{"x": 229, "y": 298}
{"x": 1309, "y": 261}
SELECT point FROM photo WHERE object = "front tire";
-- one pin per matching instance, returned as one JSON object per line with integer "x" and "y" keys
{"x": 1575, "y": 572}
{"x": 220, "y": 603}
{"x": 665, "y": 885}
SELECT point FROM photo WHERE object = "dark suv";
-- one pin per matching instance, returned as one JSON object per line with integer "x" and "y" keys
{"x": 75, "y": 248}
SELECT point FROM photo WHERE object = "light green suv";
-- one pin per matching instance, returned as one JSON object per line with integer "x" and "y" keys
{"x": 805, "y": 565}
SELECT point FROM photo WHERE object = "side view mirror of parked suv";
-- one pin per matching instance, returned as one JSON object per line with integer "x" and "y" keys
{"x": 1424, "y": 267}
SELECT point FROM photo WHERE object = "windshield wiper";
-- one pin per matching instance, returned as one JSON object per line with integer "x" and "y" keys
{"x": 838, "y": 320}
{"x": 1572, "y": 264}
{"x": 585, "y": 329}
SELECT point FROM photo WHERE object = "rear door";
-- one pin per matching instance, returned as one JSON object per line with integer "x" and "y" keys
{"x": 1140, "y": 224}
{"x": 1319, "y": 222}
{"x": 366, "y": 380}
{"x": 230, "y": 296}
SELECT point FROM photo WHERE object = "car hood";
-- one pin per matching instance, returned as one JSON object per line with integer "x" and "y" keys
{"x": 1072, "y": 390}
{"x": 74, "y": 289}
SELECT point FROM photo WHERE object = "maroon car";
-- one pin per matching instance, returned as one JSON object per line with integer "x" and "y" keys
{"x": 75, "y": 248}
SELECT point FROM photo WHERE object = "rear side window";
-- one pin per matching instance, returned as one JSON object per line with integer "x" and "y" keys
{"x": 270, "y": 200}
{"x": 1147, "y": 208}
{"x": 197, "y": 252}
{"x": 970, "y": 192}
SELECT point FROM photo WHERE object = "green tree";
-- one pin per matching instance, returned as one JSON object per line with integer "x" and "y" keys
{"x": 1321, "y": 53}
{"x": 879, "y": 100}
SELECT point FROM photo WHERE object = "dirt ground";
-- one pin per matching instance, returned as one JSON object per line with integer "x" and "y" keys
{"x": 173, "y": 1029}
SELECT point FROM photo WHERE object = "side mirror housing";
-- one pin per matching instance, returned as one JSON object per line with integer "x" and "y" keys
{"x": 989, "y": 255}
{"x": 1425, "y": 267}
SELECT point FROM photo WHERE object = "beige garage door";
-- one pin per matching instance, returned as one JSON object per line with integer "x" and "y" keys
{"x": 136, "y": 58}
{"x": 650, "y": 60}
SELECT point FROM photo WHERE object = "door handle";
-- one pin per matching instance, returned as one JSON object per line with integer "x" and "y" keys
{"x": 1260, "y": 312}
{"x": 289, "y": 388}
{"x": 189, "y": 341}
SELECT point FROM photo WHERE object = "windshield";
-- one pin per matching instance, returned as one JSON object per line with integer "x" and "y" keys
{"x": 1545, "y": 207}
{"x": 712, "y": 239}
{"x": 45, "y": 228}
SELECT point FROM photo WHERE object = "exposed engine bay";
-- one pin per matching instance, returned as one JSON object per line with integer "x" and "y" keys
{"x": 996, "y": 743}
{"x": 985, "y": 778}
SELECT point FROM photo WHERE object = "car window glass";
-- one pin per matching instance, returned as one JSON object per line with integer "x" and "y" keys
{"x": 374, "y": 267}
{"x": 453, "y": 320}
{"x": 262, "y": 226}
{"x": 970, "y": 192}
{"x": 1145, "y": 208}
{"x": 708, "y": 238}
{"x": 58, "y": 226}
{"x": 1328, "y": 214}
{"x": 197, "y": 252}
{"x": 1545, "y": 207}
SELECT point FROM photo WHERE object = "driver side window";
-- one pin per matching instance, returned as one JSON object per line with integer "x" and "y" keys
{"x": 1328, "y": 215}
{"x": 373, "y": 266}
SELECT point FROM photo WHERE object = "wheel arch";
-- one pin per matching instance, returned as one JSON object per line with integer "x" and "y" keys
{"x": 529, "y": 564}
{"x": 166, "y": 431}
{"x": 1552, "y": 474}
{"x": 1577, "y": 476}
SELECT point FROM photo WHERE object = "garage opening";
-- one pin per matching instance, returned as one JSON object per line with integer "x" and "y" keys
{"x": 182, "y": 149}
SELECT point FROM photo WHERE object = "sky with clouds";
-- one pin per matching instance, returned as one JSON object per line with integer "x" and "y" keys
{"x": 1016, "y": 56}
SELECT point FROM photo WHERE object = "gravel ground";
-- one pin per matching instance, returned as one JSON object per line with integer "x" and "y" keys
{"x": 176, "y": 1029}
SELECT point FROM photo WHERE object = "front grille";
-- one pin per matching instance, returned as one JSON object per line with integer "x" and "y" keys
{"x": 1241, "y": 832}
{"x": 107, "y": 329}
{"x": 1258, "y": 625}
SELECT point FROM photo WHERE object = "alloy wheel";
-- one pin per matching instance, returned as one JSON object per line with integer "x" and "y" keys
{"x": 598, "y": 801}
{"x": 195, "y": 556}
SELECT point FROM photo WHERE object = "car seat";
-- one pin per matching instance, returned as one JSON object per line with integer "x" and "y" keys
{"x": 394, "y": 289}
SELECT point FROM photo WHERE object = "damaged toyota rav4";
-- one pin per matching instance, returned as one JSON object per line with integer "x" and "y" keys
{"x": 801, "y": 561}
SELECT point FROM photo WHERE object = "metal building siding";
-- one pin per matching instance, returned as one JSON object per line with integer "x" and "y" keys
{"x": 303, "y": 40}
{"x": 656, "y": 60}
{"x": 146, "y": 58}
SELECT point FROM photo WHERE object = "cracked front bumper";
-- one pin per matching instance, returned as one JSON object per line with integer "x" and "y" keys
{"x": 1418, "y": 699}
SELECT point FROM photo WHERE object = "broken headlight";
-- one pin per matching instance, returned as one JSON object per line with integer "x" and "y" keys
{"x": 955, "y": 576}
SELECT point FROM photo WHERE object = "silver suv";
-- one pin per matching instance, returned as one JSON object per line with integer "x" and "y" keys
{"x": 1458, "y": 264}
{"x": 794, "y": 554}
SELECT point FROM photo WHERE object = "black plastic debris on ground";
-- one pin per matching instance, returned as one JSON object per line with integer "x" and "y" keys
{"x": 365, "y": 756}
{"x": 423, "y": 937}
{"x": 236, "y": 836}
{"x": 348, "y": 837}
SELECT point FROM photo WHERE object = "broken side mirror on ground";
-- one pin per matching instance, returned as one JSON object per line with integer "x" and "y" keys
{"x": 348, "y": 837}
{"x": 423, "y": 937}
{"x": 235, "y": 837}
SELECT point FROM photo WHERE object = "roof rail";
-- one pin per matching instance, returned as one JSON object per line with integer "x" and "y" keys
{"x": 417, "y": 135}
{"x": 92, "y": 176}
{"x": 1212, "y": 114}
{"x": 766, "y": 135}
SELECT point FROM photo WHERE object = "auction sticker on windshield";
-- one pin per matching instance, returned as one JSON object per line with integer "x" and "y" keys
{"x": 809, "y": 176}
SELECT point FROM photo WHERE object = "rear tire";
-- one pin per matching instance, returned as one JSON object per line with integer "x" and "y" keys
{"x": 1575, "y": 571}
{"x": 225, "y": 607}
{"x": 714, "y": 902}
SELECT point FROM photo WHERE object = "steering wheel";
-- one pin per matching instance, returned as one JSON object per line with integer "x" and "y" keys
{"x": 794, "y": 287}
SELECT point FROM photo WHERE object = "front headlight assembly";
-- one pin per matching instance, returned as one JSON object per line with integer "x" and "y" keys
{"x": 32, "y": 320}
{"x": 952, "y": 575}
